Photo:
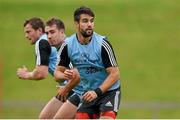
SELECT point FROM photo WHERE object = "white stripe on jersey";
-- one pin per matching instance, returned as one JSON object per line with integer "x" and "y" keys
{"x": 38, "y": 57}
{"x": 70, "y": 65}
{"x": 110, "y": 53}
{"x": 116, "y": 101}
{"x": 59, "y": 52}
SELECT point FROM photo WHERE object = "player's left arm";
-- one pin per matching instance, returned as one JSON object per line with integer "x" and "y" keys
{"x": 113, "y": 76}
{"x": 110, "y": 63}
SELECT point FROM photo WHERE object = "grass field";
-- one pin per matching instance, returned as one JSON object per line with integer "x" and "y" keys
{"x": 145, "y": 35}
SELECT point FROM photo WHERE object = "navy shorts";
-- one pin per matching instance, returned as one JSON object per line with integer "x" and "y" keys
{"x": 108, "y": 101}
{"x": 74, "y": 99}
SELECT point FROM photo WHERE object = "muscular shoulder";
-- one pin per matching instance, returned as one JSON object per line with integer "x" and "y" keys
{"x": 44, "y": 43}
{"x": 70, "y": 39}
{"x": 42, "y": 47}
{"x": 99, "y": 38}
{"x": 107, "y": 54}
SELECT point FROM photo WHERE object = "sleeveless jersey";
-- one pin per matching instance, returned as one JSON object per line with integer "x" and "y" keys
{"x": 91, "y": 60}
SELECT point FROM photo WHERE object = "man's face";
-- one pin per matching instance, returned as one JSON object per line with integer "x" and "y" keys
{"x": 85, "y": 25}
{"x": 31, "y": 34}
{"x": 55, "y": 36}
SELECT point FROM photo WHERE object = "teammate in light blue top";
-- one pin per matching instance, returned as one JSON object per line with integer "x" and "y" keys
{"x": 57, "y": 107}
{"x": 91, "y": 60}
{"x": 53, "y": 55}
{"x": 94, "y": 58}
{"x": 46, "y": 56}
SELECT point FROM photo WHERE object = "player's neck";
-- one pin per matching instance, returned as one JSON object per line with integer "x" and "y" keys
{"x": 83, "y": 40}
{"x": 60, "y": 42}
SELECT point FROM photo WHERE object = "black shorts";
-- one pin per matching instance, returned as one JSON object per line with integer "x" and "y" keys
{"x": 109, "y": 101}
{"x": 74, "y": 99}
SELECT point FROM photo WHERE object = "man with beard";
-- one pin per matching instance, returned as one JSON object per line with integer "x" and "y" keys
{"x": 94, "y": 58}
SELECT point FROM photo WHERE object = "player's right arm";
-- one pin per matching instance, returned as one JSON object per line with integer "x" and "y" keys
{"x": 43, "y": 51}
{"x": 59, "y": 74}
{"x": 63, "y": 72}
{"x": 40, "y": 72}
{"x": 62, "y": 64}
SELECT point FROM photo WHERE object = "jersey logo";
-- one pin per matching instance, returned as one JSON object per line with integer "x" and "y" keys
{"x": 108, "y": 104}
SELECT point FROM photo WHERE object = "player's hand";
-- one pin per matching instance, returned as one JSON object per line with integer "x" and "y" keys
{"x": 22, "y": 73}
{"x": 89, "y": 96}
{"x": 24, "y": 68}
{"x": 62, "y": 94}
{"x": 69, "y": 74}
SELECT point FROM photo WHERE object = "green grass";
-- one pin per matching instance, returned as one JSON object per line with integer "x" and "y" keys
{"x": 144, "y": 34}
{"x": 23, "y": 113}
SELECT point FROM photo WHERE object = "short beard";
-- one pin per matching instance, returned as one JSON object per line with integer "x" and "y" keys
{"x": 85, "y": 34}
